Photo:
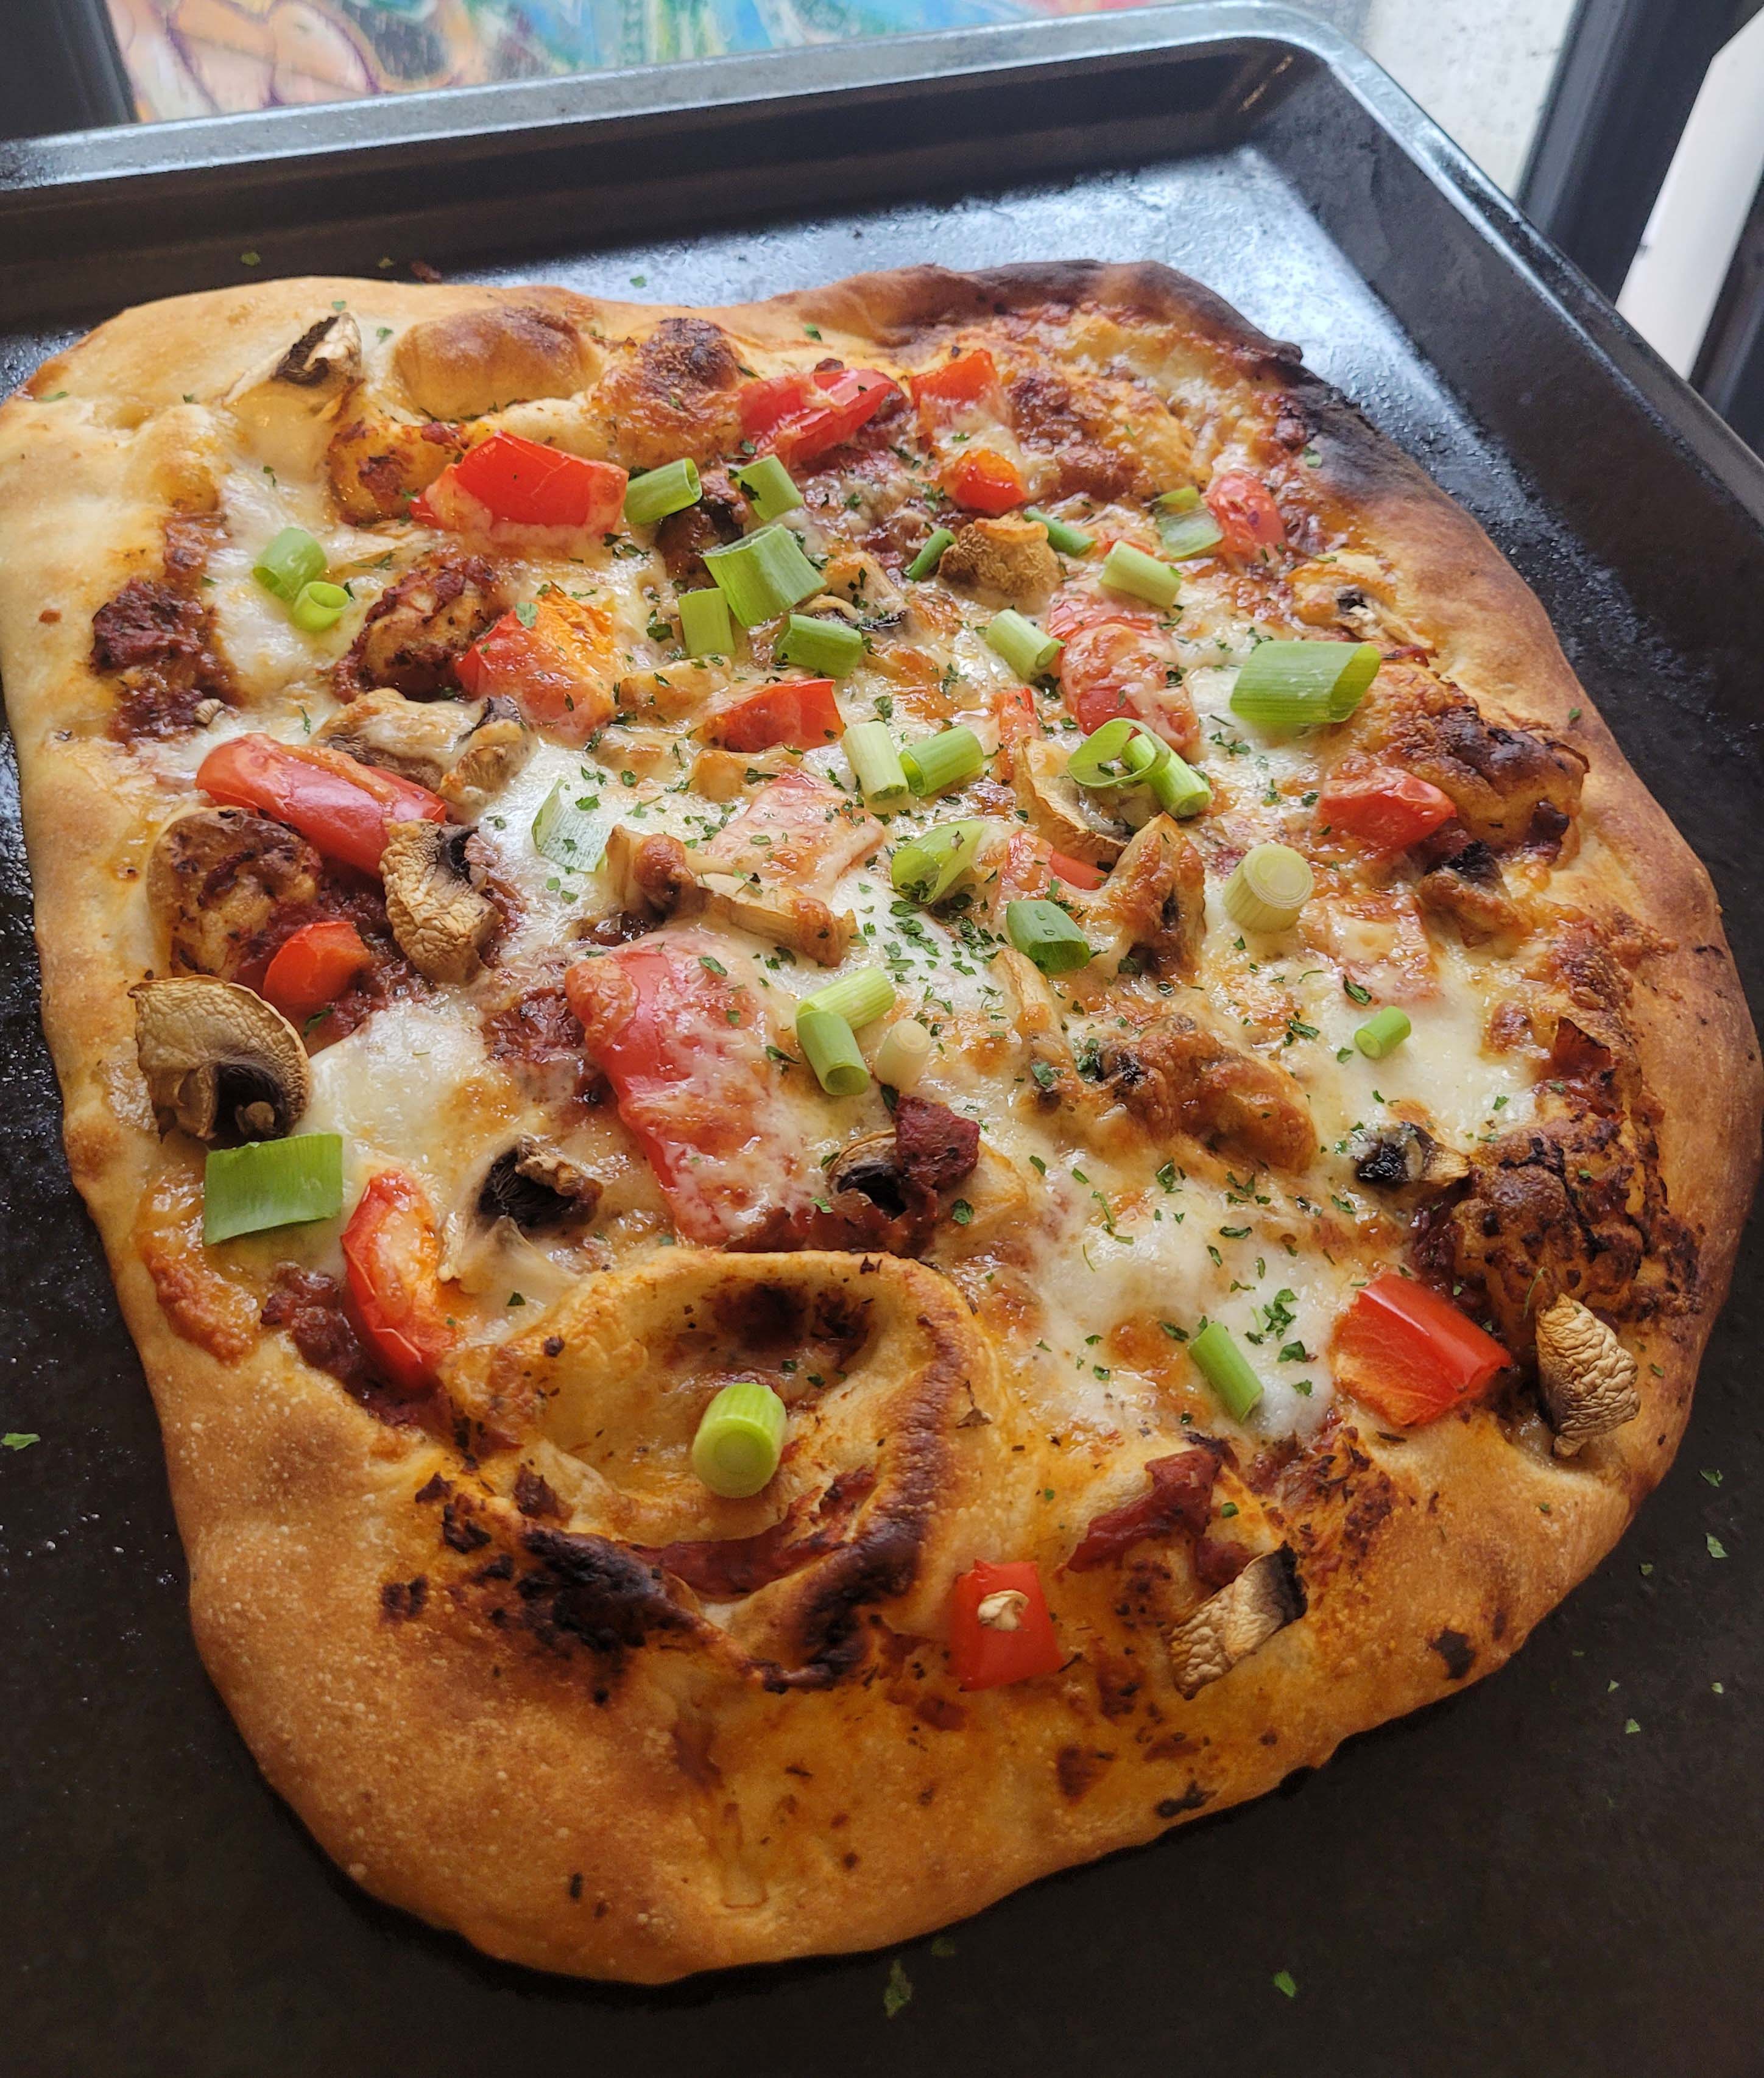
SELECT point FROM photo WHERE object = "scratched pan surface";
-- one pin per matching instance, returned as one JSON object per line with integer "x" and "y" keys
{"x": 1553, "y": 1872}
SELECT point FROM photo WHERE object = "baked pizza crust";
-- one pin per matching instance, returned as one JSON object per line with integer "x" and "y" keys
{"x": 654, "y": 1819}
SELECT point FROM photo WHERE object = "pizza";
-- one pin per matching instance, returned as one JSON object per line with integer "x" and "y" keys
{"x": 886, "y": 1086}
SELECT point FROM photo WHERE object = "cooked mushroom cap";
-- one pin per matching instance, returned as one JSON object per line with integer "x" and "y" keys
{"x": 537, "y": 1187}
{"x": 1155, "y": 898}
{"x": 1033, "y": 1009}
{"x": 1058, "y": 809}
{"x": 464, "y": 751}
{"x": 1588, "y": 1379}
{"x": 220, "y": 1061}
{"x": 801, "y": 923}
{"x": 1397, "y": 1154}
{"x": 286, "y": 406}
{"x": 871, "y": 1167}
{"x": 1266, "y": 1597}
{"x": 856, "y": 578}
{"x": 441, "y": 921}
{"x": 327, "y": 355}
{"x": 1009, "y": 558}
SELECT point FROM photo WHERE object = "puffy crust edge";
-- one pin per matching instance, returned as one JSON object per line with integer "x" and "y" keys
{"x": 289, "y": 1495}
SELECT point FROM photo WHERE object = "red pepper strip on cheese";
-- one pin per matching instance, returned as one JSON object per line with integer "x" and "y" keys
{"x": 999, "y": 1627}
{"x": 798, "y": 417}
{"x": 524, "y": 483}
{"x": 391, "y": 1256}
{"x": 1248, "y": 518}
{"x": 553, "y": 663}
{"x": 799, "y": 714}
{"x": 1386, "y": 808}
{"x": 313, "y": 968}
{"x": 986, "y": 481}
{"x": 1409, "y": 1355}
{"x": 342, "y": 807}
{"x": 964, "y": 380}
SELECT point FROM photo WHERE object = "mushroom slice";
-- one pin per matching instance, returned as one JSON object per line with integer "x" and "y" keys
{"x": 1266, "y": 1597}
{"x": 1399, "y": 1154}
{"x": 799, "y": 923}
{"x": 440, "y": 920}
{"x": 465, "y": 752}
{"x": 1006, "y": 558}
{"x": 856, "y": 579}
{"x": 1058, "y": 809}
{"x": 1035, "y": 1010}
{"x": 537, "y": 1187}
{"x": 1588, "y": 1379}
{"x": 219, "y": 1061}
{"x": 285, "y": 405}
{"x": 1156, "y": 898}
{"x": 648, "y": 874}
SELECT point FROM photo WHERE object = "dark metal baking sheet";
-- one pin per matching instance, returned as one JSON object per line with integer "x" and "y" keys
{"x": 1516, "y": 1881}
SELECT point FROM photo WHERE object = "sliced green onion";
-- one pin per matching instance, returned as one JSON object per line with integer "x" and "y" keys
{"x": 740, "y": 1439}
{"x": 831, "y": 1050}
{"x": 566, "y": 833}
{"x": 705, "y": 627}
{"x": 1186, "y": 527}
{"x": 901, "y": 1058}
{"x": 1120, "y": 754}
{"x": 1301, "y": 684}
{"x": 1131, "y": 570}
{"x": 671, "y": 488}
{"x": 832, "y": 648}
{"x": 1022, "y": 645}
{"x": 1272, "y": 884}
{"x": 318, "y": 606}
{"x": 1382, "y": 1033}
{"x": 769, "y": 486}
{"x": 926, "y": 868}
{"x": 763, "y": 576}
{"x": 931, "y": 554}
{"x": 1043, "y": 932}
{"x": 859, "y": 999}
{"x": 292, "y": 559}
{"x": 1225, "y": 1368}
{"x": 876, "y": 766}
{"x": 271, "y": 1183}
{"x": 1180, "y": 789}
{"x": 1070, "y": 540}
{"x": 936, "y": 763}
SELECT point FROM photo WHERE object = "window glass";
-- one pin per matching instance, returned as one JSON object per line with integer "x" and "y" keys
{"x": 1480, "y": 67}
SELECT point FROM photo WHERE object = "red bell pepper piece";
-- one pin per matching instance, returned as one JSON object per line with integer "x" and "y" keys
{"x": 1248, "y": 518}
{"x": 802, "y": 714}
{"x": 1386, "y": 808}
{"x": 1075, "y": 872}
{"x": 526, "y": 484}
{"x": 985, "y": 480}
{"x": 313, "y": 968}
{"x": 1119, "y": 666}
{"x": 1409, "y": 1355}
{"x": 554, "y": 667}
{"x": 964, "y": 380}
{"x": 392, "y": 1258}
{"x": 1013, "y": 1641}
{"x": 798, "y": 417}
{"x": 341, "y": 806}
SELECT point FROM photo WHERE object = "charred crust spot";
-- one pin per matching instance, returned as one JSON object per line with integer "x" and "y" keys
{"x": 458, "y": 1531}
{"x": 1079, "y": 1769}
{"x": 594, "y": 1592}
{"x": 691, "y": 353}
{"x": 434, "y": 1489}
{"x": 574, "y": 1886}
{"x": 534, "y": 1494}
{"x": 1191, "y": 1800}
{"x": 1458, "y": 1652}
{"x": 403, "y": 1599}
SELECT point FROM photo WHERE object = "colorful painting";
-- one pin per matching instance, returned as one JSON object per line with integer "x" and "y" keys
{"x": 203, "y": 57}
